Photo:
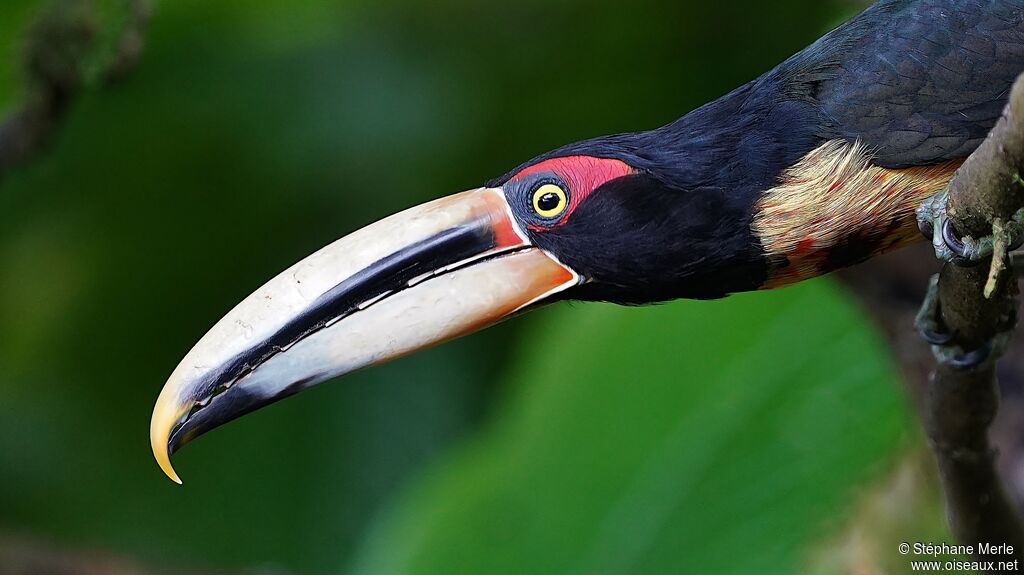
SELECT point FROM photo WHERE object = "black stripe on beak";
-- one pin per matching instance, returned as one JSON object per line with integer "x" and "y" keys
{"x": 431, "y": 257}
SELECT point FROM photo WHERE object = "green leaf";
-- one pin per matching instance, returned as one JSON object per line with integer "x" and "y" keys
{"x": 695, "y": 437}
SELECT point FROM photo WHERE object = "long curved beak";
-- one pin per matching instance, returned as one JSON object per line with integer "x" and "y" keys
{"x": 418, "y": 278}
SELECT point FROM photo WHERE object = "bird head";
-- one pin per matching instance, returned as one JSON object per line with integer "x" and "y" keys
{"x": 604, "y": 225}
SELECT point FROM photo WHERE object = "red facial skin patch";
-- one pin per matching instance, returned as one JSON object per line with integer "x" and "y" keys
{"x": 583, "y": 175}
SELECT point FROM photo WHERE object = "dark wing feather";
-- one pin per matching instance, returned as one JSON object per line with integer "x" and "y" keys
{"x": 920, "y": 81}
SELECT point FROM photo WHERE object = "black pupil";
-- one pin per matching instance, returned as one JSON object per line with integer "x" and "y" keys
{"x": 549, "y": 201}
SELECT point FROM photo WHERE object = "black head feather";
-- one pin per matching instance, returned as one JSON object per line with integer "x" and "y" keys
{"x": 917, "y": 82}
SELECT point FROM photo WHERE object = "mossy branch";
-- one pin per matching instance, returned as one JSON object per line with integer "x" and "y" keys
{"x": 977, "y": 305}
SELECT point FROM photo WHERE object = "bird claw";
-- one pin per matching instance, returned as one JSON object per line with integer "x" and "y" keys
{"x": 949, "y": 245}
{"x": 933, "y": 330}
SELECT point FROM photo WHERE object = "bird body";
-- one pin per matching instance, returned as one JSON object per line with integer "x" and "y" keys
{"x": 859, "y": 210}
{"x": 818, "y": 164}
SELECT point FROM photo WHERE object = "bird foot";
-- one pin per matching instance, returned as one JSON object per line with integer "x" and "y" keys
{"x": 945, "y": 347}
{"x": 950, "y": 246}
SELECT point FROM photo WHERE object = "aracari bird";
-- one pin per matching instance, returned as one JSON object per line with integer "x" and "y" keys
{"x": 818, "y": 164}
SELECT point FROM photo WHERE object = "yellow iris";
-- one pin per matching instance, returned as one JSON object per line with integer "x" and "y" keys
{"x": 549, "y": 201}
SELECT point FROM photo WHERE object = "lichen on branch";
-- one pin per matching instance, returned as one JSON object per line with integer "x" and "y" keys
{"x": 978, "y": 305}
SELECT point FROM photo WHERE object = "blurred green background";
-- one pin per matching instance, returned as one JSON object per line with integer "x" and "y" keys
{"x": 745, "y": 435}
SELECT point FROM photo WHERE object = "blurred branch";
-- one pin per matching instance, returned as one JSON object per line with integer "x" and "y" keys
{"x": 62, "y": 55}
{"x": 23, "y": 557}
{"x": 977, "y": 304}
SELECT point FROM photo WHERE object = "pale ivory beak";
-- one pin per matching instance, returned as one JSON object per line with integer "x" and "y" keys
{"x": 412, "y": 280}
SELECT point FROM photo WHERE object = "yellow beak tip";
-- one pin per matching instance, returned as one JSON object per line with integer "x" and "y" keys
{"x": 164, "y": 461}
{"x": 164, "y": 414}
{"x": 170, "y": 473}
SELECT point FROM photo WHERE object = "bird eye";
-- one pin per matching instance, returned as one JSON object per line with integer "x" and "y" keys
{"x": 549, "y": 201}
